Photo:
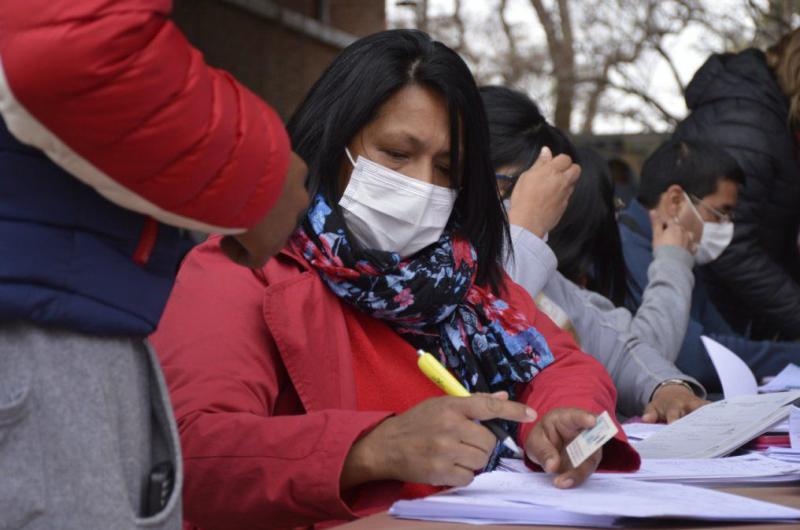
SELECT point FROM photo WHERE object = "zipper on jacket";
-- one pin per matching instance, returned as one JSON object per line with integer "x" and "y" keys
{"x": 147, "y": 242}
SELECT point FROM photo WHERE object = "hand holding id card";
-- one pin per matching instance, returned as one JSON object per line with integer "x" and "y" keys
{"x": 590, "y": 440}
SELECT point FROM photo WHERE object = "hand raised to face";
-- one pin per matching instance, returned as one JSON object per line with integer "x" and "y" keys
{"x": 542, "y": 192}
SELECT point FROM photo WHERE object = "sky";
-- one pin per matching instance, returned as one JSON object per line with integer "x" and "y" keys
{"x": 689, "y": 50}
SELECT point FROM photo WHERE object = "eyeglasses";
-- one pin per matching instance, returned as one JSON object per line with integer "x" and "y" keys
{"x": 721, "y": 217}
{"x": 506, "y": 183}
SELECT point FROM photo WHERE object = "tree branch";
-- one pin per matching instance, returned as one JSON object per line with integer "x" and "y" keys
{"x": 644, "y": 96}
{"x": 562, "y": 58}
{"x": 515, "y": 71}
{"x": 458, "y": 22}
{"x": 553, "y": 42}
{"x": 593, "y": 101}
{"x": 672, "y": 67}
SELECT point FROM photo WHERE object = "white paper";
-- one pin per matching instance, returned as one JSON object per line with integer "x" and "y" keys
{"x": 743, "y": 469}
{"x": 794, "y": 427}
{"x": 513, "y": 464}
{"x": 782, "y": 427}
{"x": 459, "y": 509}
{"x": 637, "y": 432}
{"x": 787, "y": 379}
{"x": 747, "y": 468}
{"x": 736, "y": 377}
{"x": 492, "y": 493}
{"x": 786, "y": 454}
{"x": 719, "y": 428}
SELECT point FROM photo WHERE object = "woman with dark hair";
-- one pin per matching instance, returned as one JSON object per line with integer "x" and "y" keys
{"x": 586, "y": 239}
{"x": 517, "y": 120}
{"x": 585, "y": 246}
{"x": 295, "y": 385}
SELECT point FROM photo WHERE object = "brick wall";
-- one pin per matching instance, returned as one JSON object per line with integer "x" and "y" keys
{"x": 276, "y": 62}
{"x": 359, "y": 17}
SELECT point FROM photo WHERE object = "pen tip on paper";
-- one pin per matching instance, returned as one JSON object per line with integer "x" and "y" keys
{"x": 510, "y": 444}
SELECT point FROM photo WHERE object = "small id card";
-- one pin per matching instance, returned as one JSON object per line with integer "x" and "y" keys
{"x": 591, "y": 440}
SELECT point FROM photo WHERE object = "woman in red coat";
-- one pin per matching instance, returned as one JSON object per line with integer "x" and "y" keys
{"x": 295, "y": 386}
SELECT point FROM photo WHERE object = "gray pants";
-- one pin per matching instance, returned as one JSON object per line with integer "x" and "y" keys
{"x": 82, "y": 422}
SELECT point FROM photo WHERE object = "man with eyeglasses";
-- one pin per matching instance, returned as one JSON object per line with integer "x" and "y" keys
{"x": 695, "y": 185}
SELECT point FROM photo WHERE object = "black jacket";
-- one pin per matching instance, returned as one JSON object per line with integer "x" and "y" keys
{"x": 736, "y": 103}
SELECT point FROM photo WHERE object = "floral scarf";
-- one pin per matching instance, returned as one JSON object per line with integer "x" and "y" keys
{"x": 431, "y": 300}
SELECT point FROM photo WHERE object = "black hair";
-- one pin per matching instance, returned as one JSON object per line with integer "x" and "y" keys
{"x": 586, "y": 240}
{"x": 517, "y": 129}
{"x": 697, "y": 167}
{"x": 347, "y": 97}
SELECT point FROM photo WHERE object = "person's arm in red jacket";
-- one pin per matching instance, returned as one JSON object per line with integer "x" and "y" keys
{"x": 574, "y": 380}
{"x": 112, "y": 92}
{"x": 252, "y": 457}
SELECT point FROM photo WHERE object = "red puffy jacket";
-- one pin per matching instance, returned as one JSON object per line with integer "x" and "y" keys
{"x": 113, "y": 93}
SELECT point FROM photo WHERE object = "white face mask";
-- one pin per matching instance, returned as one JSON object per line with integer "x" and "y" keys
{"x": 716, "y": 238}
{"x": 386, "y": 210}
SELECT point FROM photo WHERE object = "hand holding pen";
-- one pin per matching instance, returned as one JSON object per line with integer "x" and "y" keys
{"x": 437, "y": 442}
{"x": 437, "y": 373}
{"x": 547, "y": 440}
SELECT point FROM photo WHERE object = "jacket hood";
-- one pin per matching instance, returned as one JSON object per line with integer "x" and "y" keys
{"x": 736, "y": 75}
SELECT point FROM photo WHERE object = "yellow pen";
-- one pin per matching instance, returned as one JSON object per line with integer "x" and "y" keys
{"x": 439, "y": 375}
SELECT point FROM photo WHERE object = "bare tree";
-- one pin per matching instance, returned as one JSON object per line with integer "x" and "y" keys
{"x": 583, "y": 59}
{"x": 634, "y": 30}
{"x": 750, "y": 23}
{"x": 420, "y": 8}
{"x": 772, "y": 20}
{"x": 557, "y": 25}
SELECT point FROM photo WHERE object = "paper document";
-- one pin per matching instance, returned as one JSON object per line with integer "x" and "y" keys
{"x": 516, "y": 465}
{"x": 782, "y": 427}
{"x": 794, "y": 427}
{"x": 738, "y": 380}
{"x": 735, "y": 376}
{"x": 525, "y": 497}
{"x": 637, "y": 432}
{"x": 719, "y": 428}
{"x": 455, "y": 510}
{"x": 787, "y": 379}
{"x": 744, "y": 469}
{"x": 786, "y": 454}
{"x": 749, "y": 468}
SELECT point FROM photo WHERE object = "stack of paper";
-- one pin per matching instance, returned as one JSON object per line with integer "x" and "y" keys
{"x": 785, "y": 454}
{"x": 745, "y": 469}
{"x": 530, "y": 498}
{"x": 794, "y": 427}
{"x": 719, "y": 428}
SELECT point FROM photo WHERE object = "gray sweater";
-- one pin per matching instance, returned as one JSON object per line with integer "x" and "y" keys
{"x": 637, "y": 350}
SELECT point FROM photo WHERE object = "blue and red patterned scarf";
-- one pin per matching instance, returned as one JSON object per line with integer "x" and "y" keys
{"x": 431, "y": 300}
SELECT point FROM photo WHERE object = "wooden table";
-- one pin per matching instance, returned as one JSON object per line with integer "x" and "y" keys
{"x": 786, "y": 495}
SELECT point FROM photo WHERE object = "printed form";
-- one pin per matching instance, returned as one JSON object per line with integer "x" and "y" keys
{"x": 719, "y": 428}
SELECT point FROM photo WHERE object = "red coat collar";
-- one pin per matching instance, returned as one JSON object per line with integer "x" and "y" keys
{"x": 308, "y": 325}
